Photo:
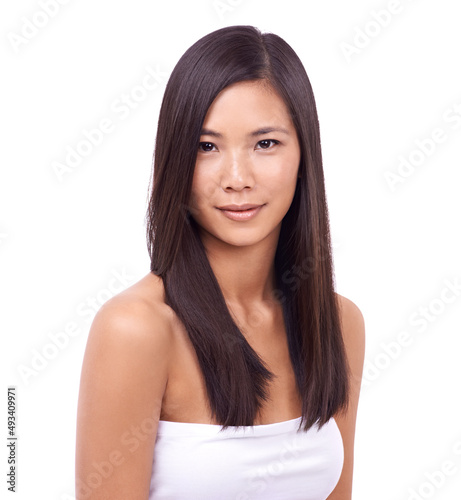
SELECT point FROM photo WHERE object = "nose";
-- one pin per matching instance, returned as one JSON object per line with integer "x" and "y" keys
{"x": 237, "y": 172}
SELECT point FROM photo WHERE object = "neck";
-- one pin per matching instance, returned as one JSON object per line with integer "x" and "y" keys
{"x": 246, "y": 274}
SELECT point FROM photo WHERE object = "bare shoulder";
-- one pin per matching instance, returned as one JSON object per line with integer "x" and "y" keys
{"x": 123, "y": 380}
{"x": 136, "y": 319}
{"x": 129, "y": 341}
{"x": 140, "y": 306}
{"x": 353, "y": 325}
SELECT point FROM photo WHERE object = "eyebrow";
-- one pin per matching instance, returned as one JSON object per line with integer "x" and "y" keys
{"x": 259, "y": 131}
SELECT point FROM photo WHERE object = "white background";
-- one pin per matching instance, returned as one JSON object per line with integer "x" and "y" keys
{"x": 396, "y": 247}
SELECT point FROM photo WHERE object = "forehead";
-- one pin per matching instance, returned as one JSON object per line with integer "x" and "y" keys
{"x": 249, "y": 103}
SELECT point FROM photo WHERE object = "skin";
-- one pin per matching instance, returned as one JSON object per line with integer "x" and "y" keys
{"x": 139, "y": 364}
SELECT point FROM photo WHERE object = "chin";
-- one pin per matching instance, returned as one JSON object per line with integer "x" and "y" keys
{"x": 239, "y": 240}
{"x": 236, "y": 237}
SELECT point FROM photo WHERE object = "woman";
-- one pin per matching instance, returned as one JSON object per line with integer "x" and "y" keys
{"x": 232, "y": 370}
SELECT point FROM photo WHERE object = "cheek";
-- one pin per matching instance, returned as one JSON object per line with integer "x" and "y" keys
{"x": 283, "y": 174}
{"x": 202, "y": 189}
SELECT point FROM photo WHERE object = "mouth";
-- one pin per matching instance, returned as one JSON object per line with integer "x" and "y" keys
{"x": 239, "y": 208}
{"x": 240, "y": 212}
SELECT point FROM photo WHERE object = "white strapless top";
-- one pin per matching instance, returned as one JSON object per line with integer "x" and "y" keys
{"x": 271, "y": 461}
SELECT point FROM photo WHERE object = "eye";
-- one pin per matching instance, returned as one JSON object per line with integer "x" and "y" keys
{"x": 267, "y": 143}
{"x": 206, "y": 146}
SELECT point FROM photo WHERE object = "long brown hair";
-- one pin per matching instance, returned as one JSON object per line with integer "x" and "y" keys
{"x": 235, "y": 376}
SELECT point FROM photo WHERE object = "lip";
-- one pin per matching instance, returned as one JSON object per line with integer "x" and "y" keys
{"x": 236, "y": 208}
{"x": 240, "y": 212}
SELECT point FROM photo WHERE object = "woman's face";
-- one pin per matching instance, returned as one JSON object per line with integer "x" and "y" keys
{"x": 249, "y": 154}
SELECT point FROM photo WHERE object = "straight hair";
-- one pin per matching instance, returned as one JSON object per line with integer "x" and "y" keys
{"x": 235, "y": 376}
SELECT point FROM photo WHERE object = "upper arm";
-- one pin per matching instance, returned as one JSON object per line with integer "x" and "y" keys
{"x": 123, "y": 379}
{"x": 353, "y": 328}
